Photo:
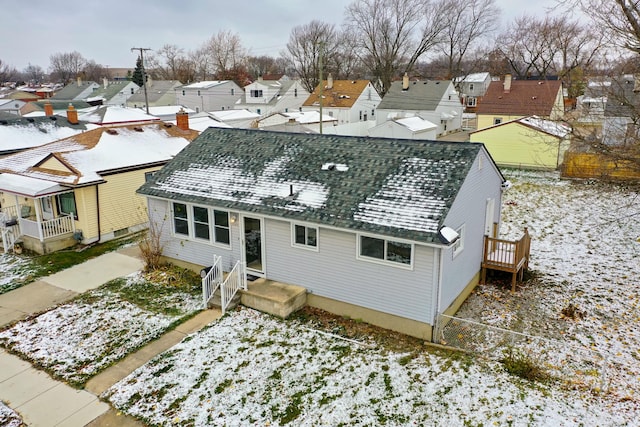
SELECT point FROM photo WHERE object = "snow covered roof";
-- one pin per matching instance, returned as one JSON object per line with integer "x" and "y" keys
{"x": 306, "y": 117}
{"x": 201, "y": 123}
{"x": 166, "y": 110}
{"x": 82, "y": 158}
{"x": 230, "y": 115}
{"x": 204, "y": 84}
{"x": 400, "y": 188}
{"x": 416, "y": 124}
{"x": 561, "y": 130}
{"x": 109, "y": 114}
{"x": 22, "y": 133}
{"x": 26, "y": 186}
{"x": 473, "y": 78}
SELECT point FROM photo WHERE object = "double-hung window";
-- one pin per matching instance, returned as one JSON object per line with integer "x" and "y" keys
{"x": 201, "y": 228}
{"x": 305, "y": 236}
{"x": 385, "y": 250}
{"x": 221, "y": 228}
{"x": 180, "y": 219}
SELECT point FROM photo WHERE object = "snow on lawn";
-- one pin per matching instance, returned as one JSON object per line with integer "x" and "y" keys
{"x": 8, "y": 417}
{"x": 253, "y": 369}
{"x": 13, "y": 270}
{"x": 585, "y": 251}
{"x": 76, "y": 340}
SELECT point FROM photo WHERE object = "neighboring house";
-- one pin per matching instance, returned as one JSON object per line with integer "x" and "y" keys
{"x": 472, "y": 88}
{"x": 236, "y": 118}
{"x": 12, "y": 106}
{"x": 511, "y": 99}
{"x": 23, "y": 95}
{"x": 622, "y": 111}
{"x": 590, "y": 105}
{"x": 265, "y": 97}
{"x": 434, "y": 100}
{"x": 78, "y": 91}
{"x": 301, "y": 121}
{"x": 357, "y": 221}
{"x": 209, "y": 95}
{"x": 201, "y": 121}
{"x": 158, "y": 93}
{"x": 82, "y": 188}
{"x": 111, "y": 115}
{"x": 168, "y": 112}
{"x": 21, "y": 133}
{"x": 405, "y": 128}
{"x": 113, "y": 93}
{"x": 530, "y": 142}
{"x": 349, "y": 101}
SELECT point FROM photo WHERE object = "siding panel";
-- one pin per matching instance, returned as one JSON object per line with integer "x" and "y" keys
{"x": 334, "y": 272}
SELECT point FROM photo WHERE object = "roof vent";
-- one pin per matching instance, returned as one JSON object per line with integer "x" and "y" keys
{"x": 138, "y": 129}
{"x": 335, "y": 166}
{"x": 437, "y": 83}
{"x": 4, "y": 122}
{"x": 30, "y": 120}
{"x": 54, "y": 118}
{"x": 167, "y": 125}
{"x": 112, "y": 131}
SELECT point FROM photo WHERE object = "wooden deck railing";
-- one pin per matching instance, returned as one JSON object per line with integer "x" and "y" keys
{"x": 506, "y": 255}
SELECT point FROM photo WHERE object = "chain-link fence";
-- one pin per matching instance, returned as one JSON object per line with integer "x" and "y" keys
{"x": 576, "y": 365}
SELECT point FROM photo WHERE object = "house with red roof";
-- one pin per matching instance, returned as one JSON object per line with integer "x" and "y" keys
{"x": 510, "y": 99}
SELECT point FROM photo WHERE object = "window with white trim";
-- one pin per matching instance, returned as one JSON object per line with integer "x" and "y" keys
{"x": 385, "y": 250}
{"x": 458, "y": 245}
{"x": 201, "y": 223}
{"x": 304, "y": 236}
{"x": 472, "y": 101}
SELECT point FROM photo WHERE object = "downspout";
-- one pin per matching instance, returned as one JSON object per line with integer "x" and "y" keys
{"x": 98, "y": 213}
{"x": 434, "y": 335}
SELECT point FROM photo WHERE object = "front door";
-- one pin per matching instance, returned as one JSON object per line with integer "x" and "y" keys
{"x": 47, "y": 208}
{"x": 253, "y": 248}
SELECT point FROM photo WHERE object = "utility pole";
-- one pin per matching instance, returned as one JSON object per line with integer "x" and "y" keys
{"x": 144, "y": 74}
{"x": 321, "y": 44}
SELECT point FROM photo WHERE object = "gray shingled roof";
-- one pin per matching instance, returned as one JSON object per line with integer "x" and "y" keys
{"x": 421, "y": 95}
{"x": 72, "y": 91}
{"x": 622, "y": 101}
{"x": 400, "y": 188}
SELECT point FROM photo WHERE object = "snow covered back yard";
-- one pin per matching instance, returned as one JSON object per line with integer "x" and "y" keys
{"x": 251, "y": 369}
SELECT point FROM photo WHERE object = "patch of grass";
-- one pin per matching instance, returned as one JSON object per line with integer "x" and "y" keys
{"x": 523, "y": 365}
{"x": 44, "y": 265}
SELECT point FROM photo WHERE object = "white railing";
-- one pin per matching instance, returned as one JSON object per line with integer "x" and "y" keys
{"x": 212, "y": 281}
{"x": 49, "y": 228}
{"x": 58, "y": 226}
{"x": 10, "y": 212}
{"x": 236, "y": 280}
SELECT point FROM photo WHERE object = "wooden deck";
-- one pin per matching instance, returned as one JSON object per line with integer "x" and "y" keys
{"x": 506, "y": 255}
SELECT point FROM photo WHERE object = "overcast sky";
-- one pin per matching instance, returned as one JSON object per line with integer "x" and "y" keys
{"x": 32, "y": 30}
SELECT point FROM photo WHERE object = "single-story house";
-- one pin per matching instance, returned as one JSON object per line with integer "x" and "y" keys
{"x": 530, "y": 142}
{"x": 389, "y": 231}
{"x": 82, "y": 188}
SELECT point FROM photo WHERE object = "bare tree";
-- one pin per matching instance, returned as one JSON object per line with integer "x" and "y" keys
{"x": 94, "y": 71}
{"x": 260, "y": 65}
{"x": 304, "y": 51}
{"x": 66, "y": 66}
{"x": 202, "y": 64}
{"x": 468, "y": 23}
{"x": 394, "y": 34}
{"x": 226, "y": 51}
{"x": 7, "y": 72}
{"x": 34, "y": 73}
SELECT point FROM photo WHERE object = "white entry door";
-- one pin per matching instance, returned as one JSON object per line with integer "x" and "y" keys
{"x": 253, "y": 243}
{"x": 47, "y": 208}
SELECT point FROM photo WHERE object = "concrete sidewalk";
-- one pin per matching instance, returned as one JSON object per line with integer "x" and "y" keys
{"x": 43, "y": 401}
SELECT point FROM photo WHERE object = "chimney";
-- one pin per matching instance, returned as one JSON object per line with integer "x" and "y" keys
{"x": 48, "y": 109}
{"x": 507, "y": 83}
{"x": 79, "y": 81}
{"x": 72, "y": 115}
{"x": 329, "y": 81}
{"x": 260, "y": 78}
{"x": 182, "y": 119}
{"x": 405, "y": 82}
{"x": 105, "y": 82}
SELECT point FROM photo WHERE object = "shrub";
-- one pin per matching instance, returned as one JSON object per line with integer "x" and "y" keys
{"x": 516, "y": 362}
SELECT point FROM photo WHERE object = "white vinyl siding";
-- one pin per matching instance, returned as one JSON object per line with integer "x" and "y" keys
{"x": 398, "y": 254}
